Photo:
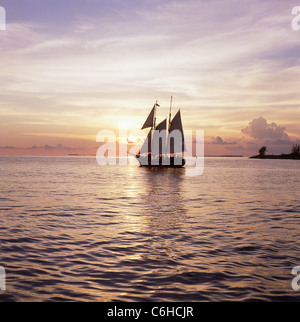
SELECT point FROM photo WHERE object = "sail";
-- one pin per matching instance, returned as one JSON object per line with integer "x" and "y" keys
{"x": 162, "y": 126}
{"x": 159, "y": 140}
{"x": 146, "y": 148}
{"x": 151, "y": 118}
{"x": 176, "y": 136}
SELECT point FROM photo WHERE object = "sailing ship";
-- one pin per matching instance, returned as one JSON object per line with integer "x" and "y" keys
{"x": 164, "y": 145}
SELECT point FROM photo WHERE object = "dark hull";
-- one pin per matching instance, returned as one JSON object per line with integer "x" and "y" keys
{"x": 172, "y": 164}
{"x": 161, "y": 166}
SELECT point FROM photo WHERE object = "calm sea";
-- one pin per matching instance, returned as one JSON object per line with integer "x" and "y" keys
{"x": 73, "y": 230}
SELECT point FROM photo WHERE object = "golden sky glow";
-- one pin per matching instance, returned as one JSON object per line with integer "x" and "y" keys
{"x": 72, "y": 68}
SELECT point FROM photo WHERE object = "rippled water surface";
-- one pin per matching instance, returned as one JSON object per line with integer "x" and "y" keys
{"x": 73, "y": 230}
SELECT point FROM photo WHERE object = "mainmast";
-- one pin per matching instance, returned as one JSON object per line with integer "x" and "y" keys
{"x": 154, "y": 118}
{"x": 169, "y": 126}
{"x": 153, "y": 126}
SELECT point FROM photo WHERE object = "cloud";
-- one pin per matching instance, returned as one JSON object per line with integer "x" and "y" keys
{"x": 274, "y": 136}
{"x": 260, "y": 129}
{"x": 220, "y": 141}
{"x": 76, "y": 71}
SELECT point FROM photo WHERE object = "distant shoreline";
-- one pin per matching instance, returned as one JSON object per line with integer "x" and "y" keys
{"x": 267, "y": 157}
{"x": 224, "y": 156}
{"x": 281, "y": 157}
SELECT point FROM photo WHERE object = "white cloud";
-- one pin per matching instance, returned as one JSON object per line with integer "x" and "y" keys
{"x": 260, "y": 129}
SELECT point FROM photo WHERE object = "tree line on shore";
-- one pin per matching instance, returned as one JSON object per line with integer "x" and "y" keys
{"x": 295, "y": 154}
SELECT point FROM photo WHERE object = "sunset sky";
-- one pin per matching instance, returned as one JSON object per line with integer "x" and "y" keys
{"x": 71, "y": 68}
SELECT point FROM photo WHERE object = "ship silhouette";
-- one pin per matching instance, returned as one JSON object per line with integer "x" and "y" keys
{"x": 164, "y": 145}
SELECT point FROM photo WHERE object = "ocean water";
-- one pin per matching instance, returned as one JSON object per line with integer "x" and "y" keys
{"x": 71, "y": 230}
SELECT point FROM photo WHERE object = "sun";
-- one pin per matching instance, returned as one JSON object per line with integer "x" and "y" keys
{"x": 133, "y": 140}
